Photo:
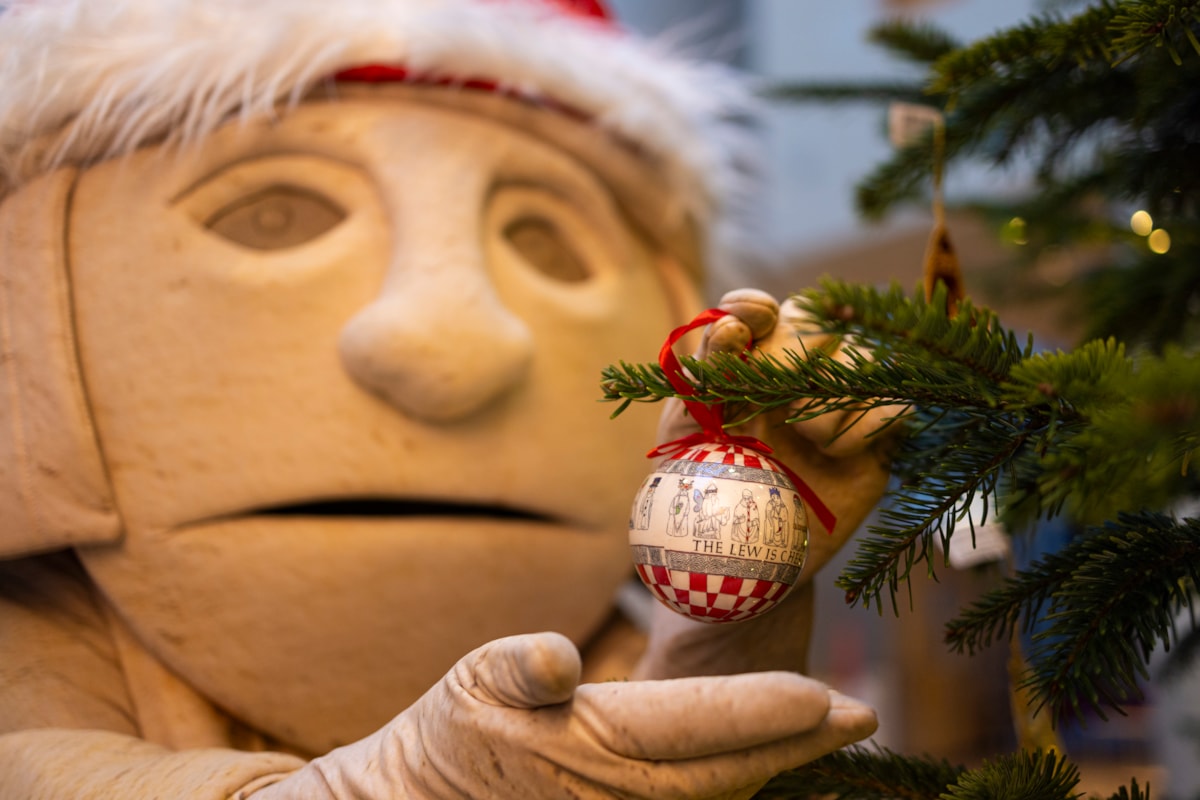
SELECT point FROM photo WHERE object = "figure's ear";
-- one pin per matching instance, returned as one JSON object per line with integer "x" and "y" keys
{"x": 54, "y": 491}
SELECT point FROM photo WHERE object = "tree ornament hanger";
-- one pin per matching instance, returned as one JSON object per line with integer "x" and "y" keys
{"x": 941, "y": 261}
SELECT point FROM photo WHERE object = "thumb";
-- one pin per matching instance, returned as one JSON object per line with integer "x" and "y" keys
{"x": 752, "y": 317}
{"x": 528, "y": 671}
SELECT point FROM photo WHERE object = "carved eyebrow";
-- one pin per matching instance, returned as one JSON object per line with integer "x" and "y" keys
{"x": 243, "y": 159}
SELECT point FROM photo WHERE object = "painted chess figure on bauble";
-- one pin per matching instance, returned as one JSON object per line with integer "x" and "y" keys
{"x": 304, "y": 488}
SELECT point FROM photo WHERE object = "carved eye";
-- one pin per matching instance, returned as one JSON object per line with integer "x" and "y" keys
{"x": 275, "y": 218}
{"x": 544, "y": 247}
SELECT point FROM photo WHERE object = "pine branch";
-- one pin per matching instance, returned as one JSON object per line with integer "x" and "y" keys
{"x": 949, "y": 463}
{"x": 1049, "y": 88}
{"x": 1106, "y": 622}
{"x": 1135, "y": 433}
{"x": 918, "y": 42}
{"x": 904, "y": 178}
{"x": 1084, "y": 431}
{"x": 917, "y": 354}
{"x": 1131, "y": 793}
{"x": 973, "y": 343}
{"x": 1034, "y": 48}
{"x": 1110, "y": 598}
{"x": 1158, "y": 23}
{"x": 1038, "y": 775}
{"x": 1040, "y": 114}
{"x": 795, "y": 92}
{"x": 857, "y": 773}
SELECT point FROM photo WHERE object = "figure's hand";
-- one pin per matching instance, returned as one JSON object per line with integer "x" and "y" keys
{"x": 837, "y": 454}
{"x": 508, "y": 721}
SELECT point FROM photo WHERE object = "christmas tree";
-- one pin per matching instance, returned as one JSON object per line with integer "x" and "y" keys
{"x": 1103, "y": 100}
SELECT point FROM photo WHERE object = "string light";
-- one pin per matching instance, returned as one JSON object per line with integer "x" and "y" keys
{"x": 1159, "y": 241}
{"x": 1142, "y": 223}
{"x": 1014, "y": 231}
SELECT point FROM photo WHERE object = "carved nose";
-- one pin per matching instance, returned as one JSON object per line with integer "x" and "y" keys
{"x": 436, "y": 358}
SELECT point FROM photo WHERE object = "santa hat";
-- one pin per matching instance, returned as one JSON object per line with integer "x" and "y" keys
{"x": 85, "y": 80}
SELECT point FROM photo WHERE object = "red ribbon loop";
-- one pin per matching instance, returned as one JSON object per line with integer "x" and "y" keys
{"x": 711, "y": 419}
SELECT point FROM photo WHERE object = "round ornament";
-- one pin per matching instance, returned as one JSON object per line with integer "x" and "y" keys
{"x": 719, "y": 532}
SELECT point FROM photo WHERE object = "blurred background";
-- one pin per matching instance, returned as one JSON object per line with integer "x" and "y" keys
{"x": 930, "y": 701}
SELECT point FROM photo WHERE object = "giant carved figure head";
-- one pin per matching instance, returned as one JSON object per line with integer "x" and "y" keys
{"x": 303, "y": 308}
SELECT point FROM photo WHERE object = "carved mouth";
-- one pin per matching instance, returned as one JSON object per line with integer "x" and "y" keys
{"x": 389, "y": 508}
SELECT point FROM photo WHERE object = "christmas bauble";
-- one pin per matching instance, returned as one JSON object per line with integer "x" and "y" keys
{"x": 719, "y": 533}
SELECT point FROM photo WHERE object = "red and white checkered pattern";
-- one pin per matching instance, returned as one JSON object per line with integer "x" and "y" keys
{"x": 711, "y": 598}
{"x": 729, "y": 454}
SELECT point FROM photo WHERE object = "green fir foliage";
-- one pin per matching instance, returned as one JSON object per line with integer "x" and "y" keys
{"x": 1038, "y": 775}
{"x": 1099, "y": 103}
{"x": 1110, "y": 598}
{"x": 860, "y": 773}
{"x": 1093, "y": 432}
{"x": 1132, "y": 792}
{"x": 917, "y": 42}
{"x": 1103, "y": 108}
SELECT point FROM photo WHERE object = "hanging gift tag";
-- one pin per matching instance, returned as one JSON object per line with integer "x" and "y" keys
{"x": 719, "y": 531}
{"x": 907, "y": 123}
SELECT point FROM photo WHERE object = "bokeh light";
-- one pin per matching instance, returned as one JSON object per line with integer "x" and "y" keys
{"x": 1014, "y": 231}
{"x": 1159, "y": 241}
{"x": 1142, "y": 223}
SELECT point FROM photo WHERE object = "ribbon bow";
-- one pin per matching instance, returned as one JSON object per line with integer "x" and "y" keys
{"x": 711, "y": 419}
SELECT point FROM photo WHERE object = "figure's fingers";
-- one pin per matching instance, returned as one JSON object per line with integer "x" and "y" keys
{"x": 797, "y": 324}
{"x": 753, "y": 315}
{"x": 836, "y": 433}
{"x": 757, "y": 309}
{"x": 848, "y": 721}
{"x": 528, "y": 671}
{"x": 840, "y": 434}
{"x": 688, "y": 718}
{"x": 726, "y": 335}
{"x": 737, "y": 772}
